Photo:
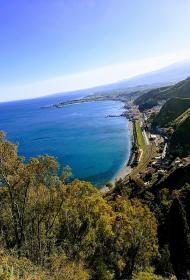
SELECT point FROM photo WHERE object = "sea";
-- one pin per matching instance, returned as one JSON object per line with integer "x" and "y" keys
{"x": 95, "y": 146}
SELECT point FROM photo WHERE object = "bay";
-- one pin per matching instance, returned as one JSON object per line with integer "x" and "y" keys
{"x": 81, "y": 136}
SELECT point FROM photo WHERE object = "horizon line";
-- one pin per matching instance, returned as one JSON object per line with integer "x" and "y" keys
{"x": 95, "y": 78}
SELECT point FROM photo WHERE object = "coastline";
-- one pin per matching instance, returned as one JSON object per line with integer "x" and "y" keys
{"x": 126, "y": 168}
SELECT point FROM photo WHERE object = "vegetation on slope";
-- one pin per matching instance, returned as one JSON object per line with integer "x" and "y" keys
{"x": 168, "y": 198}
{"x": 51, "y": 229}
{"x": 171, "y": 110}
{"x": 180, "y": 138}
{"x": 175, "y": 115}
{"x": 152, "y": 98}
{"x": 178, "y": 121}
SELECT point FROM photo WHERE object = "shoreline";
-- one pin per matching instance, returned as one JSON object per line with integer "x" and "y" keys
{"x": 126, "y": 168}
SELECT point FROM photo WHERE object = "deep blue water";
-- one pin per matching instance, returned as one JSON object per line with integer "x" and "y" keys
{"x": 78, "y": 135}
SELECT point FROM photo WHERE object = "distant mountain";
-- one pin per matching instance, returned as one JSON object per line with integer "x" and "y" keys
{"x": 163, "y": 77}
{"x": 170, "y": 74}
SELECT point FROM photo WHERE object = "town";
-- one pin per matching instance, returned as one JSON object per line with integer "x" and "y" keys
{"x": 150, "y": 155}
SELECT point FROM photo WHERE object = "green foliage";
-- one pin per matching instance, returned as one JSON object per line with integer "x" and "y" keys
{"x": 12, "y": 268}
{"x": 68, "y": 230}
{"x": 171, "y": 110}
{"x": 143, "y": 235}
{"x": 153, "y": 97}
{"x": 175, "y": 115}
{"x": 179, "y": 142}
{"x": 149, "y": 275}
{"x": 178, "y": 121}
{"x": 168, "y": 198}
{"x": 178, "y": 229}
{"x": 58, "y": 268}
{"x": 66, "y": 174}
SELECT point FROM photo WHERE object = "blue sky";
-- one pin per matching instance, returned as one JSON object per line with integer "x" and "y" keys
{"x": 60, "y": 42}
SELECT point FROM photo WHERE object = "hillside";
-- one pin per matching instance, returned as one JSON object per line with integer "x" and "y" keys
{"x": 181, "y": 89}
{"x": 170, "y": 111}
{"x": 152, "y": 98}
{"x": 52, "y": 229}
{"x": 179, "y": 142}
{"x": 168, "y": 198}
{"x": 178, "y": 121}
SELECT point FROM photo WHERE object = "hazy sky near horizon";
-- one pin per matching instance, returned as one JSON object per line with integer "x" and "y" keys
{"x": 49, "y": 46}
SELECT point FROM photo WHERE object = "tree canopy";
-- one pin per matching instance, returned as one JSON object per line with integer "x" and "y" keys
{"x": 67, "y": 228}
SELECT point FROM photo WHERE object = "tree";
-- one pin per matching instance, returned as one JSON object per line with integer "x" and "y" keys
{"x": 86, "y": 220}
{"x": 30, "y": 201}
{"x": 68, "y": 229}
{"x": 135, "y": 240}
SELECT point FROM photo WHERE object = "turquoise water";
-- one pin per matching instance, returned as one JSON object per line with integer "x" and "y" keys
{"x": 79, "y": 135}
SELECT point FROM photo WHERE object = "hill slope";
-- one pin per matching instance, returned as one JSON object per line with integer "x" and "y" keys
{"x": 171, "y": 110}
{"x": 180, "y": 139}
{"x": 151, "y": 98}
{"x": 181, "y": 119}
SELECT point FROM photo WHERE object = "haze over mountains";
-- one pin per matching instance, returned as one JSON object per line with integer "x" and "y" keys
{"x": 164, "y": 76}
{"x": 170, "y": 74}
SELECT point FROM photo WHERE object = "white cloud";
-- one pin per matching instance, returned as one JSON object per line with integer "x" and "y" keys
{"x": 100, "y": 76}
